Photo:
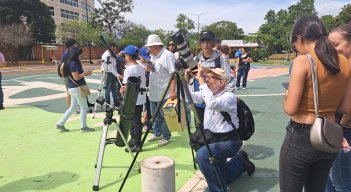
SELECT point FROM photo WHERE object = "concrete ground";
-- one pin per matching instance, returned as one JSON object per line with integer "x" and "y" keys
{"x": 35, "y": 157}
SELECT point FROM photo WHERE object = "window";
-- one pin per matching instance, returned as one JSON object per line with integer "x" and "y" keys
{"x": 73, "y": 3}
{"x": 69, "y": 14}
{"x": 84, "y": 7}
{"x": 52, "y": 11}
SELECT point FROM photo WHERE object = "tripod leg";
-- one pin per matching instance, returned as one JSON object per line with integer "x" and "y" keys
{"x": 157, "y": 110}
{"x": 182, "y": 95}
{"x": 100, "y": 157}
{"x": 211, "y": 157}
{"x": 126, "y": 142}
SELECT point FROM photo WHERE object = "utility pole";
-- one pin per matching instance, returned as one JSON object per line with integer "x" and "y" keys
{"x": 86, "y": 11}
{"x": 198, "y": 19}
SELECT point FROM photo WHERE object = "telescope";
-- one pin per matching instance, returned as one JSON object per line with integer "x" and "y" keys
{"x": 127, "y": 109}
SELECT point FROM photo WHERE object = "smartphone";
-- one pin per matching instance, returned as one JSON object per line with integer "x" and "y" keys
{"x": 285, "y": 85}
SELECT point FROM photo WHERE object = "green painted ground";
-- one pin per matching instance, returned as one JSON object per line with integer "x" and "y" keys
{"x": 34, "y": 156}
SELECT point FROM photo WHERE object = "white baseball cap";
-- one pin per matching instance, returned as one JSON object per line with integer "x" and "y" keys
{"x": 153, "y": 40}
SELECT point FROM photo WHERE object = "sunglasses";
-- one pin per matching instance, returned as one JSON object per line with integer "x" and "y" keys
{"x": 171, "y": 44}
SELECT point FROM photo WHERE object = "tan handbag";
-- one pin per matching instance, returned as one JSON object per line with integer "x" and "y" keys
{"x": 325, "y": 135}
{"x": 83, "y": 89}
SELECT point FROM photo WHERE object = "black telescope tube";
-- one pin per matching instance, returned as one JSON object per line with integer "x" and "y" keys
{"x": 127, "y": 110}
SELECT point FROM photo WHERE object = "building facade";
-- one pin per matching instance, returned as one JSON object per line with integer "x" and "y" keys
{"x": 64, "y": 10}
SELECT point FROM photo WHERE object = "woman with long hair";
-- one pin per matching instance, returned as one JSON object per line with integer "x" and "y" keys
{"x": 340, "y": 173}
{"x": 74, "y": 74}
{"x": 300, "y": 164}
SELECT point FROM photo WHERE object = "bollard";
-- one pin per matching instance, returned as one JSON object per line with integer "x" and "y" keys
{"x": 158, "y": 174}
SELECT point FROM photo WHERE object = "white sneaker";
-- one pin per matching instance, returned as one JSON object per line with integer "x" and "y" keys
{"x": 154, "y": 138}
{"x": 163, "y": 142}
{"x": 244, "y": 88}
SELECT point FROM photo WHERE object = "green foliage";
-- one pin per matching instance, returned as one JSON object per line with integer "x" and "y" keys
{"x": 83, "y": 32}
{"x": 136, "y": 35}
{"x": 225, "y": 30}
{"x": 163, "y": 34}
{"x": 184, "y": 23}
{"x": 275, "y": 33}
{"x": 110, "y": 15}
{"x": 344, "y": 16}
{"x": 328, "y": 21}
{"x": 37, "y": 15}
{"x": 259, "y": 54}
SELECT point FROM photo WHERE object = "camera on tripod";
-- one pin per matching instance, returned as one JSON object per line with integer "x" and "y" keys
{"x": 183, "y": 49}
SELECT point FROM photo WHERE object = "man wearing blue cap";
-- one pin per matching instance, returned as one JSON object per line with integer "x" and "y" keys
{"x": 133, "y": 69}
{"x": 144, "y": 59}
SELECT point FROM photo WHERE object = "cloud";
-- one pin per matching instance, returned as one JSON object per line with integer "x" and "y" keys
{"x": 248, "y": 15}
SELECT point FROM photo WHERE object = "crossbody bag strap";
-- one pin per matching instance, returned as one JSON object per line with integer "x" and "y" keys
{"x": 73, "y": 80}
{"x": 314, "y": 84}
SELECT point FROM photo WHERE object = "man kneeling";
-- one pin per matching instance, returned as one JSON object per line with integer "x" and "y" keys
{"x": 223, "y": 139}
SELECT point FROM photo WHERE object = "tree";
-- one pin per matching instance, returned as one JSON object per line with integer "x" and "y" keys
{"x": 110, "y": 15}
{"x": 275, "y": 33}
{"x": 225, "y": 30}
{"x": 163, "y": 34}
{"x": 136, "y": 35}
{"x": 37, "y": 14}
{"x": 344, "y": 16}
{"x": 329, "y": 21}
{"x": 83, "y": 32}
{"x": 184, "y": 23}
{"x": 14, "y": 36}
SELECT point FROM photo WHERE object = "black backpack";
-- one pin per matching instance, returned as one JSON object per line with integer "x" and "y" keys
{"x": 246, "y": 120}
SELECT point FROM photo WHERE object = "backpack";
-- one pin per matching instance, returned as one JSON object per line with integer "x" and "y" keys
{"x": 246, "y": 120}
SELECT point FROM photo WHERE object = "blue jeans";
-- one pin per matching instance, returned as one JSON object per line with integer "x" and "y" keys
{"x": 1, "y": 93}
{"x": 159, "y": 126}
{"x": 242, "y": 72}
{"x": 76, "y": 99}
{"x": 340, "y": 173}
{"x": 111, "y": 87}
{"x": 300, "y": 164}
{"x": 228, "y": 170}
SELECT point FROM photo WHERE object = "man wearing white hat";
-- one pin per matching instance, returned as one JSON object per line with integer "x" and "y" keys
{"x": 163, "y": 66}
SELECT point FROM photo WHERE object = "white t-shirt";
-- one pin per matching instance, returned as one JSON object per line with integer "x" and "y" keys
{"x": 136, "y": 71}
{"x": 160, "y": 76}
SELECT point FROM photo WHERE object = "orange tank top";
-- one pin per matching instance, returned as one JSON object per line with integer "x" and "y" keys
{"x": 331, "y": 88}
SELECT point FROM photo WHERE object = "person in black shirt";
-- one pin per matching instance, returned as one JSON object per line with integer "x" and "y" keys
{"x": 243, "y": 68}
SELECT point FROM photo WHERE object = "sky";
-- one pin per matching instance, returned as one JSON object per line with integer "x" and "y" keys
{"x": 247, "y": 14}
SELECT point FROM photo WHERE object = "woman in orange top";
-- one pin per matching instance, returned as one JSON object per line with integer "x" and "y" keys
{"x": 340, "y": 173}
{"x": 301, "y": 165}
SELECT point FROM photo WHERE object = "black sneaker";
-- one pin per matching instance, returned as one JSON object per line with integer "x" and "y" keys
{"x": 91, "y": 105}
{"x": 250, "y": 167}
{"x": 62, "y": 128}
{"x": 2, "y": 107}
{"x": 131, "y": 142}
{"x": 133, "y": 149}
{"x": 86, "y": 129}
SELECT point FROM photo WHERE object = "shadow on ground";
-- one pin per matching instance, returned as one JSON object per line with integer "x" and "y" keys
{"x": 49, "y": 181}
{"x": 258, "y": 152}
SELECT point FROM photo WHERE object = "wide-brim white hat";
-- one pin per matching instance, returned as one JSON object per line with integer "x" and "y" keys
{"x": 153, "y": 40}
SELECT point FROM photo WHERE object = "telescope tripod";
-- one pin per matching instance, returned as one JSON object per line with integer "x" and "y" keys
{"x": 105, "y": 141}
{"x": 182, "y": 91}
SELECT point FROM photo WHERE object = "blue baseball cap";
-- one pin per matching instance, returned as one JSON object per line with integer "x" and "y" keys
{"x": 131, "y": 50}
{"x": 145, "y": 53}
